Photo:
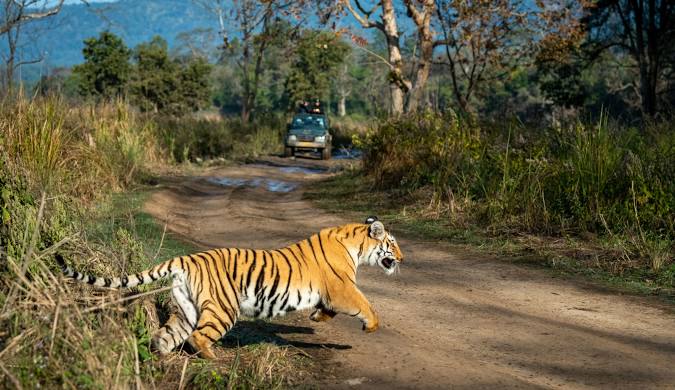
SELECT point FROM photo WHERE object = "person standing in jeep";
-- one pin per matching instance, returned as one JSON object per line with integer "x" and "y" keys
{"x": 316, "y": 109}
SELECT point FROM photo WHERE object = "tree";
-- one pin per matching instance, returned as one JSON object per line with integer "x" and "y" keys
{"x": 155, "y": 83}
{"x": 259, "y": 27}
{"x": 60, "y": 81}
{"x": 195, "y": 43}
{"x": 405, "y": 92}
{"x": 644, "y": 30}
{"x": 106, "y": 69}
{"x": 318, "y": 56}
{"x": 482, "y": 41}
{"x": 194, "y": 84}
{"x": 163, "y": 84}
{"x": 13, "y": 16}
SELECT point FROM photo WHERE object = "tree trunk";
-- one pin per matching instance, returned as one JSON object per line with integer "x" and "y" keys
{"x": 12, "y": 39}
{"x": 648, "y": 92}
{"x": 398, "y": 86}
{"x": 426, "y": 52}
{"x": 342, "y": 105}
{"x": 422, "y": 71}
{"x": 643, "y": 54}
{"x": 245, "y": 113}
{"x": 649, "y": 87}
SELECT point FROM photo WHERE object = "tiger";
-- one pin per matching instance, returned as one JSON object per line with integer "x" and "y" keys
{"x": 211, "y": 289}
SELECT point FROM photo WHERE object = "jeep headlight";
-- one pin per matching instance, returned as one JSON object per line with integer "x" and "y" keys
{"x": 321, "y": 138}
{"x": 292, "y": 139}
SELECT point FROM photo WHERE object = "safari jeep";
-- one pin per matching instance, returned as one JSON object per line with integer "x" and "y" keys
{"x": 308, "y": 133}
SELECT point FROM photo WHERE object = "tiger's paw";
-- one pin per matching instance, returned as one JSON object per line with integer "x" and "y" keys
{"x": 202, "y": 346}
{"x": 320, "y": 315}
{"x": 207, "y": 353}
{"x": 159, "y": 345}
{"x": 371, "y": 327}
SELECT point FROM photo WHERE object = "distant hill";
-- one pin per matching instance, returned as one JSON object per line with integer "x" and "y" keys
{"x": 60, "y": 38}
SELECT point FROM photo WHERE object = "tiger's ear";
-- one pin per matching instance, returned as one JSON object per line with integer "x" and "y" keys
{"x": 371, "y": 219}
{"x": 376, "y": 230}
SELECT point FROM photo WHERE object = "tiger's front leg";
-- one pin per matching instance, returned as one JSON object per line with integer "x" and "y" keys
{"x": 352, "y": 302}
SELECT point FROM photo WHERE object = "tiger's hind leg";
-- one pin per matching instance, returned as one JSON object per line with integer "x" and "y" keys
{"x": 210, "y": 328}
{"x": 176, "y": 330}
{"x": 180, "y": 324}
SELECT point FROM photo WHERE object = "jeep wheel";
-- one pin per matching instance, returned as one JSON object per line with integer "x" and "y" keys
{"x": 288, "y": 151}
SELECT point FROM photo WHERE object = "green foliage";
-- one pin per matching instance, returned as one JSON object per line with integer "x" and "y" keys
{"x": 32, "y": 224}
{"x": 155, "y": 83}
{"x": 419, "y": 150}
{"x": 106, "y": 69}
{"x": 162, "y": 84}
{"x": 562, "y": 82}
{"x": 190, "y": 139}
{"x": 143, "y": 336}
{"x": 598, "y": 178}
{"x": 194, "y": 84}
{"x": 317, "y": 57}
{"x": 54, "y": 341}
{"x": 256, "y": 366}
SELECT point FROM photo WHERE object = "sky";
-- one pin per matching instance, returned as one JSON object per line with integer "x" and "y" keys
{"x": 90, "y": 1}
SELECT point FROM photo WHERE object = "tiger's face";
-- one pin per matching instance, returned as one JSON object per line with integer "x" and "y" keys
{"x": 385, "y": 252}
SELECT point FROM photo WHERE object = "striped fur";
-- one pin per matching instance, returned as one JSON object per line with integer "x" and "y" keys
{"x": 213, "y": 288}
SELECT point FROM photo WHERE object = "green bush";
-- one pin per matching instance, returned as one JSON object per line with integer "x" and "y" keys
{"x": 419, "y": 150}
{"x": 190, "y": 139}
{"x": 599, "y": 178}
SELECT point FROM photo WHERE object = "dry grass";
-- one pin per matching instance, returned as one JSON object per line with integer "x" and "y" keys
{"x": 56, "y": 163}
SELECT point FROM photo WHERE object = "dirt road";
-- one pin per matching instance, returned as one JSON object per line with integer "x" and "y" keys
{"x": 451, "y": 319}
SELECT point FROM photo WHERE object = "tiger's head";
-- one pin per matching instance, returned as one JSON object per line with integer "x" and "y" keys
{"x": 384, "y": 250}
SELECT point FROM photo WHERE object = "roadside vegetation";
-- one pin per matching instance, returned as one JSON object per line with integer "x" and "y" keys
{"x": 538, "y": 129}
{"x": 74, "y": 179}
{"x": 588, "y": 197}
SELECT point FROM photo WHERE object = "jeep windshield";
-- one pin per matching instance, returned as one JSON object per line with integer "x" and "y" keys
{"x": 308, "y": 124}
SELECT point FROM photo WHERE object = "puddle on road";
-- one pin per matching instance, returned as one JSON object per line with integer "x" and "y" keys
{"x": 347, "y": 154}
{"x": 308, "y": 171}
{"x": 268, "y": 184}
{"x": 279, "y": 186}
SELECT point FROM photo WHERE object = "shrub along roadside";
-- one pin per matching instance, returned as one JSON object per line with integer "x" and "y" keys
{"x": 194, "y": 139}
{"x": 602, "y": 259}
{"x": 59, "y": 166}
{"x": 450, "y": 174}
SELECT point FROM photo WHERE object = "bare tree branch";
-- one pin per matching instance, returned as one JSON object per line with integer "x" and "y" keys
{"x": 22, "y": 14}
{"x": 364, "y": 19}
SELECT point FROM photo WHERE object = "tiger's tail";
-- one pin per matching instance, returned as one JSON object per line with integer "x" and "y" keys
{"x": 157, "y": 272}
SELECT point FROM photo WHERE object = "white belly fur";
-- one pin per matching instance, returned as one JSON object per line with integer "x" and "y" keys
{"x": 249, "y": 304}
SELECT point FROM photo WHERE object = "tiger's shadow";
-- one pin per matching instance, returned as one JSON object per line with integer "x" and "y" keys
{"x": 255, "y": 331}
{"x": 251, "y": 332}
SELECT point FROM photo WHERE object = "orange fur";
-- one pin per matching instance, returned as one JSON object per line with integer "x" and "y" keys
{"x": 213, "y": 288}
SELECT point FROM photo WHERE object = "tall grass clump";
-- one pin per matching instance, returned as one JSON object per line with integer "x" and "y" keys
{"x": 59, "y": 166}
{"x": 120, "y": 141}
{"x": 54, "y": 159}
{"x": 34, "y": 137}
{"x": 602, "y": 178}
{"x": 420, "y": 150}
{"x": 195, "y": 139}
